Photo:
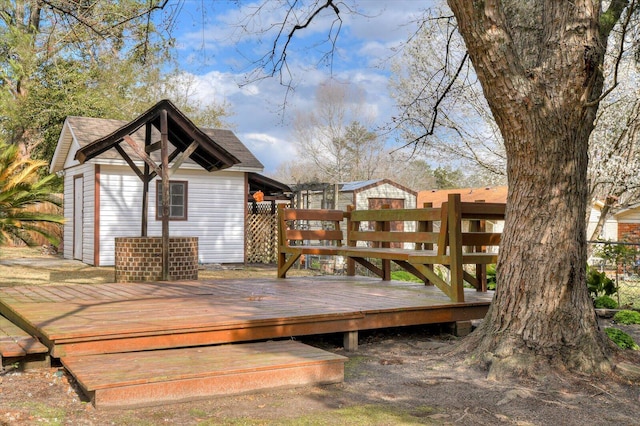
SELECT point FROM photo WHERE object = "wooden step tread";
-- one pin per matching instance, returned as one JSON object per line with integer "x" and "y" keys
{"x": 15, "y": 342}
{"x": 173, "y": 375}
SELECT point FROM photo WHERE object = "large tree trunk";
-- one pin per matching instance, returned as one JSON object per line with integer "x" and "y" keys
{"x": 539, "y": 63}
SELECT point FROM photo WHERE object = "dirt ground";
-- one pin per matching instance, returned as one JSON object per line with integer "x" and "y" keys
{"x": 398, "y": 376}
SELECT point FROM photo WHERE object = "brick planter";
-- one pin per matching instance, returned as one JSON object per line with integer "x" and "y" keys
{"x": 140, "y": 259}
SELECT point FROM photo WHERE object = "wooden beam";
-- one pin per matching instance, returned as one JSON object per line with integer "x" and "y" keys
{"x": 182, "y": 157}
{"x": 130, "y": 162}
{"x": 141, "y": 154}
{"x": 152, "y": 147}
{"x": 172, "y": 157}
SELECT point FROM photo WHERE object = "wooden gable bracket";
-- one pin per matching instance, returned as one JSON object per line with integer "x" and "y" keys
{"x": 130, "y": 162}
{"x": 182, "y": 156}
{"x": 177, "y": 156}
{"x": 141, "y": 154}
{"x": 153, "y": 147}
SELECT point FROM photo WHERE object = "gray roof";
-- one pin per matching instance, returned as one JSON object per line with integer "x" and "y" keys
{"x": 87, "y": 130}
{"x": 354, "y": 186}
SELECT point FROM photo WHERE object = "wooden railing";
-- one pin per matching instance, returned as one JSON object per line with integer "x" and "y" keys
{"x": 414, "y": 239}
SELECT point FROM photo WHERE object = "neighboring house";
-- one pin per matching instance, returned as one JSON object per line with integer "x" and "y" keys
{"x": 609, "y": 231}
{"x": 497, "y": 194}
{"x": 628, "y": 225}
{"x": 102, "y": 196}
{"x": 367, "y": 194}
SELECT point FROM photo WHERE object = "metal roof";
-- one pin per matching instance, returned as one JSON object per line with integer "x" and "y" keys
{"x": 354, "y": 186}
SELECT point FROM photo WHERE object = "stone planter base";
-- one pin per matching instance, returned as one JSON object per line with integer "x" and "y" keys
{"x": 140, "y": 259}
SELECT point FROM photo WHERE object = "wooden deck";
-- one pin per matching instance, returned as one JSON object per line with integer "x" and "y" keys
{"x": 18, "y": 347}
{"x": 110, "y": 318}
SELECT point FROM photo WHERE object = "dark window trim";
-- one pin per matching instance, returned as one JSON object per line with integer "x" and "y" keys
{"x": 186, "y": 200}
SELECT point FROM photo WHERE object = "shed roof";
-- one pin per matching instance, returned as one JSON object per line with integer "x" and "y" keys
{"x": 266, "y": 184}
{"x": 217, "y": 148}
{"x": 354, "y": 186}
{"x": 361, "y": 185}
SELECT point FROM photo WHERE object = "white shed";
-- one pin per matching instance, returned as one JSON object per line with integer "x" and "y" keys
{"x": 102, "y": 196}
{"x": 365, "y": 194}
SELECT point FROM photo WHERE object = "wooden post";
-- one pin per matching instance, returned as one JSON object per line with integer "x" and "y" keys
{"x": 455, "y": 247}
{"x": 350, "y": 341}
{"x": 426, "y": 226}
{"x": 351, "y": 264}
{"x": 145, "y": 185}
{"x": 386, "y": 263}
{"x": 164, "y": 153}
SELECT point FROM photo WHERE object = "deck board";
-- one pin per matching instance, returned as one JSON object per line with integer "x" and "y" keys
{"x": 165, "y": 314}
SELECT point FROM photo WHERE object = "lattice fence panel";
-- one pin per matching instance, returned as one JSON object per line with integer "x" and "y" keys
{"x": 262, "y": 234}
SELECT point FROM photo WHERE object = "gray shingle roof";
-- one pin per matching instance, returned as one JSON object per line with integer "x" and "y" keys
{"x": 87, "y": 130}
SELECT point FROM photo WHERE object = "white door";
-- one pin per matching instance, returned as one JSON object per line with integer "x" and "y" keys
{"x": 78, "y": 198}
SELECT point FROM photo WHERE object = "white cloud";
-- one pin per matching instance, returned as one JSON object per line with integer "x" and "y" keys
{"x": 268, "y": 149}
{"x": 211, "y": 48}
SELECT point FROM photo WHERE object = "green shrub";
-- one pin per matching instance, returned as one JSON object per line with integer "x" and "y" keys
{"x": 404, "y": 276}
{"x": 622, "y": 339}
{"x": 605, "y": 302}
{"x": 598, "y": 283}
{"x": 627, "y": 317}
{"x": 491, "y": 276}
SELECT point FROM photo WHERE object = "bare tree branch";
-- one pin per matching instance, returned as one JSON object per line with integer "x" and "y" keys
{"x": 90, "y": 25}
{"x": 436, "y": 107}
{"x": 614, "y": 12}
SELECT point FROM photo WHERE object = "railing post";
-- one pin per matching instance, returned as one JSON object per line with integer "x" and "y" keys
{"x": 426, "y": 226}
{"x": 385, "y": 226}
{"x": 351, "y": 264}
{"x": 454, "y": 219}
{"x": 479, "y": 225}
{"x": 282, "y": 240}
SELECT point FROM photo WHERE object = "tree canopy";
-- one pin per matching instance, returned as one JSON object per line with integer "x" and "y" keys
{"x": 99, "y": 59}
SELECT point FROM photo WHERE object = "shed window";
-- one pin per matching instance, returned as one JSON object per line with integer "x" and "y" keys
{"x": 177, "y": 200}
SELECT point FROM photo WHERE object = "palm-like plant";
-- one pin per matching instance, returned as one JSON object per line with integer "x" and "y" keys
{"x": 21, "y": 188}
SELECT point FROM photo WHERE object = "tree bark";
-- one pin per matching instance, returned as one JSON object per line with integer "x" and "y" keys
{"x": 539, "y": 63}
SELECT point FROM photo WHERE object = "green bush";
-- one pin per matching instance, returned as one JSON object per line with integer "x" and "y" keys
{"x": 491, "y": 276}
{"x": 627, "y": 317}
{"x": 598, "y": 283}
{"x": 404, "y": 276}
{"x": 620, "y": 338}
{"x": 605, "y": 302}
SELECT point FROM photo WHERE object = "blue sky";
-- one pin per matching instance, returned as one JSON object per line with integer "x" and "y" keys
{"x": 216, "y": 54}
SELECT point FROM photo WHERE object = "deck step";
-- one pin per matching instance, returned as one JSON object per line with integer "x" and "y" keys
{"x": 135, "y": 379}
{"x": 18, "y": 347}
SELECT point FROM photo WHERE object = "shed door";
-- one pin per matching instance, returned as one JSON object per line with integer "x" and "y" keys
{"x": 394, "y": 203}
{"x": 78, "y": 201}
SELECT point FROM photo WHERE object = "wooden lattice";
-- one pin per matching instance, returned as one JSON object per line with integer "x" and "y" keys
{"x": 262, "y": 233}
